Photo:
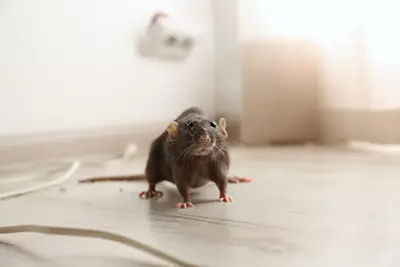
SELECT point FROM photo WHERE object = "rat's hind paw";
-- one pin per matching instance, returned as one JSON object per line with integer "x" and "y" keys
{"x": 184, "y": 205}
{"x": 226, "y": 199}
{"x": 237, "y": 180}
{"x": 151, "y": 194}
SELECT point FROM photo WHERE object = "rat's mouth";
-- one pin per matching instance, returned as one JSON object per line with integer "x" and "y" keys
{"x": 204, "y": 150}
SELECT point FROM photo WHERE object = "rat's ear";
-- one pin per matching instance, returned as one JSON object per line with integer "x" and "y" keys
{"x": 222, "y": 127}
{"x": 172, "y": 130}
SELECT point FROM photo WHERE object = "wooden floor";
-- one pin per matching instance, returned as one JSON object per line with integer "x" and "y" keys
{"x": 306, "y": 207}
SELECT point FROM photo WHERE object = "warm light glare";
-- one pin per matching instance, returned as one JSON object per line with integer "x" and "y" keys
{"x": 358, "y": 38}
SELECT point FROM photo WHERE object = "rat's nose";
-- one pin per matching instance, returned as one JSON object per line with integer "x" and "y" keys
{"x": 205, "y": 139}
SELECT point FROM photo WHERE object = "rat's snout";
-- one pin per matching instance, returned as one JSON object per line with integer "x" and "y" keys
{"x": 205, "y": 139}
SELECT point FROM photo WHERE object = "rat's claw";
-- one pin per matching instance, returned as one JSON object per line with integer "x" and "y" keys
{"x": 226, "y": 198}
{"x": 150, "y": 194}
{"x": 184, "y": 205}
{"x": 236, "y": 180}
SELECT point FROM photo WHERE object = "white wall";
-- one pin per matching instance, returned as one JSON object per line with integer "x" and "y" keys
{"x": 72, "y": 64}
{"x": 236, "y": 21}
{"x": 228, "y": 67}
{"x": 383, "y": 57}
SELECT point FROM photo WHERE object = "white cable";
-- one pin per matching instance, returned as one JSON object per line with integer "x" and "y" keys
{"x": 130, "y": 151}
{"x": 91, "y": 233}
{"x": 63, "y": 178}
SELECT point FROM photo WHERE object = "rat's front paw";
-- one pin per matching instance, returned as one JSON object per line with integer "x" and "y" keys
{"x": 184, "y": 205}
{"x": 226, "y": 199}
{"x": 150, "y": 194}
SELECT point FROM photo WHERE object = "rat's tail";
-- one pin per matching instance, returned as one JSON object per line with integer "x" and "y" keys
{"x": 127, "y": 178}
{"x": 238, "y": 180}
{"x": 142, "y": 177}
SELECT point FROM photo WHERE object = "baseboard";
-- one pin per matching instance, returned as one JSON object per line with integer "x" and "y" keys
{"x": 113, "y": 139}
{"x": 106, "y": 140}
{"x": 381, "y": 127}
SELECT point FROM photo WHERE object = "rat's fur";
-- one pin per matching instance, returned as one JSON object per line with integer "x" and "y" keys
{"x": 178, "y": 156}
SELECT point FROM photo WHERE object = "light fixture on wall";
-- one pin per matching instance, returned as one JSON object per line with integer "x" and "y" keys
{"x": 167, "y": 39}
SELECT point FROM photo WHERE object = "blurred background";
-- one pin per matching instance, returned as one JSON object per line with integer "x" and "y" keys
{"x": 279, "y": 71}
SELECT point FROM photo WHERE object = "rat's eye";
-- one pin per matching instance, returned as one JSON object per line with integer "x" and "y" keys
{"x": 190, "y": 125}
{"x": 213, "y": 124}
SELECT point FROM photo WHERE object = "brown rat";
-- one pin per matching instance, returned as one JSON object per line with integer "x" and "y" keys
{"x": 191, "y": 152}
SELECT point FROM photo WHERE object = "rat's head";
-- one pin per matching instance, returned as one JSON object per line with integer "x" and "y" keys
{"x": 198, "y": 135}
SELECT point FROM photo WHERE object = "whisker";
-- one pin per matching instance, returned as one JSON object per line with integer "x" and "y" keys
{"x": 180, "y": 155}
{"x": 183, "y": 153}
{"x": 213, "y": 151}
{"x": 173, "y": 161}
{"x": 187, "y": 152}
{"x": 221, "y": 149}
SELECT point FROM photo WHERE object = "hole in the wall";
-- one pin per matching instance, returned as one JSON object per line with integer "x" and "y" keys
{"x": 171, "y": 40}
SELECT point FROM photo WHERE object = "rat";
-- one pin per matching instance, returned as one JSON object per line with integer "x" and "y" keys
{"x": 191, "y": 152}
